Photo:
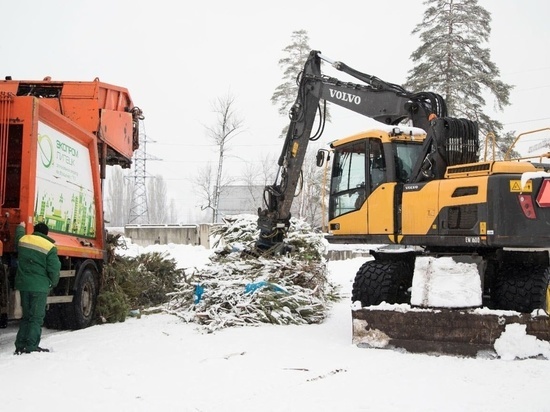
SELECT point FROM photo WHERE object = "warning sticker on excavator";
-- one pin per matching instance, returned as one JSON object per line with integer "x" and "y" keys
{"x": 515, "y": 186}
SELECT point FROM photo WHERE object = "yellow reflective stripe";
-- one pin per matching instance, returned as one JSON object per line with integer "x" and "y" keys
{"x": 36, "y": 243}
{"x": 547, "y": 300}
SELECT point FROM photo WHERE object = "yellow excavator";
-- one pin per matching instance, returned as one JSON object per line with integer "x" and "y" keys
{"x": 415, "y": 184}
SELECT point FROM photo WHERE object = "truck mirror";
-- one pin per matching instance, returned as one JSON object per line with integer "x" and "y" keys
{"x": 320, "y": 158}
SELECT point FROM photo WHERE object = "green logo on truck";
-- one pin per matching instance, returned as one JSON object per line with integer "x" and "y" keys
{"x": 45, "y": 148}
{"x": 66, "y": 153}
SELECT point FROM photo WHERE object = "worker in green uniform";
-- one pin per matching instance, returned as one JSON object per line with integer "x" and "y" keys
{"x": 37, "y": 272}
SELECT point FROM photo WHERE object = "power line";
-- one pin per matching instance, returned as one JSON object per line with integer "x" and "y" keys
{"x": 528, "y": 121}
{"x": 139, "y": 210}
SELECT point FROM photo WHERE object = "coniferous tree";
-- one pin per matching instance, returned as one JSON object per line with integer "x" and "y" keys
{"x": 453, "y": 62}
{"x": 296, "y": 54}
{"x": 308, "y": 201}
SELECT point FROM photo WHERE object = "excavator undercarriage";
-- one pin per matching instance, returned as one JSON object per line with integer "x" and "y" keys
{"x": 399, "y": 304}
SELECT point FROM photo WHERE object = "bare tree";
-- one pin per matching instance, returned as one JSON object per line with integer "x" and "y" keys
{"x": 203, "y": 183}
{"x": 259, "y": 174}
{"x": 172, "y": 212}
{"x": 157, "y": 200}
{"x": 119, "y": 199}
{"x": 309, "y": 198}
{"x": 227, "y": 126}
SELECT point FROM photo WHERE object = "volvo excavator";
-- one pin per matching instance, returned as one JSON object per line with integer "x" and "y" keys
{"x": 415, "y": 185}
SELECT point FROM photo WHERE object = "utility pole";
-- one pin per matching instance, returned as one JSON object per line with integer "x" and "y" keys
{"x": 139, "y": 211}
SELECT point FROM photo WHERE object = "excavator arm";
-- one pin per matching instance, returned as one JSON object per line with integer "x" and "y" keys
{"x": 385, "y": 102}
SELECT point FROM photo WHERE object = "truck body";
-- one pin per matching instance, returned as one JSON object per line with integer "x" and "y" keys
{"x": 56, "y": 139}
{"x": 416, "y": 185}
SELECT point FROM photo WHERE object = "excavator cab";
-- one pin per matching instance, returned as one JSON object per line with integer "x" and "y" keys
{"x": 368, "y": 171}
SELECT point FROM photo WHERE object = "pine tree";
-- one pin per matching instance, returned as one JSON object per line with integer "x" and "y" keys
{"x": 296, "y": 54}
{"x": 308, "y": 204}
{"x": 453, "y": 62}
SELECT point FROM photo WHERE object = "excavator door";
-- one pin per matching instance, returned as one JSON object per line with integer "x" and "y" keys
{"x": 361, "y": 200}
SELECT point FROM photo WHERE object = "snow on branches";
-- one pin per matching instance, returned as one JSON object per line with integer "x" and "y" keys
{"x": 238, "y": 288}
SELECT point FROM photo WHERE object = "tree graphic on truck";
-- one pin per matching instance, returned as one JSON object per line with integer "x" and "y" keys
{"x": 64, "y": 195}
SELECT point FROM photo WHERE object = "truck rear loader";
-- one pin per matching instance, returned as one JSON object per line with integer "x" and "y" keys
{"x": 416, "y": 185}
{"x": 56, "y": 140}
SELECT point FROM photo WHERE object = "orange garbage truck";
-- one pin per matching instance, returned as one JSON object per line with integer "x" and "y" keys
{"x": 56, "y": 140}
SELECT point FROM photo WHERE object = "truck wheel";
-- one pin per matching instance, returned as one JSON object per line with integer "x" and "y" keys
{"x": 55, "y": 317}
{"x": 382, "y": 281}
{"x": 80, "y": 313}
{"x": 522, "y": 289}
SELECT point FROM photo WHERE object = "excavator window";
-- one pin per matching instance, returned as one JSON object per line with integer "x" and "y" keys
{"x": 406, "y": 155}
{"x": 377, "y": 164}
{"x": 358, "y": 169}
{"x": 348, "y": 179}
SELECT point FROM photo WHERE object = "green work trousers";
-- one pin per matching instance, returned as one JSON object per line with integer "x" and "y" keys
{"x": 30, "y": 325}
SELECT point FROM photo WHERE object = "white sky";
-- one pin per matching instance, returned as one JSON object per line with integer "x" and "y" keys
{"x": 177, "y": 59}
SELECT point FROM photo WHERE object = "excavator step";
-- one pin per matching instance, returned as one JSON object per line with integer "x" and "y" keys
{"x": 460, "y": 332}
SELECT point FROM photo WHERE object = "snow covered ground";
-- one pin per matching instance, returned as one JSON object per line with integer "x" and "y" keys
{"x": 158, "y": 363}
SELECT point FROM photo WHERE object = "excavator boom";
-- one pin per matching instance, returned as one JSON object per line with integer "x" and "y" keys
{"x": 385, "y": 102}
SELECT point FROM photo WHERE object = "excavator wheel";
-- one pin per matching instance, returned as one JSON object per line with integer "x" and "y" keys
{"x": 522, "y": 289}
{"x": 380, "y": 281}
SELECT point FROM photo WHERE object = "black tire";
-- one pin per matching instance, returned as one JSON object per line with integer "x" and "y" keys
{"x": 55, "y": 317}
{"x": 382, "y": 281}
{"x": 80, "y": 312}
{"x": 522, "y": 289}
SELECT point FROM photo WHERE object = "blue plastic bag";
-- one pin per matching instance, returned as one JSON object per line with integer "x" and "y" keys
{"x": 253, "y": 287}
{"x": 199, "y": 290}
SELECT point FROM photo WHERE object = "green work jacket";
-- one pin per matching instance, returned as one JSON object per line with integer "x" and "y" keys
{"x": 38, "y": 263}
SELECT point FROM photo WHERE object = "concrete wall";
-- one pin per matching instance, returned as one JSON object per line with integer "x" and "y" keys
{"x": 145, "y": 235}
{"x": 346, "y": 254}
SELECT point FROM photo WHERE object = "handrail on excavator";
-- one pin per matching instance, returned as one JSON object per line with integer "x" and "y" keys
{"x": 509, "y": 151}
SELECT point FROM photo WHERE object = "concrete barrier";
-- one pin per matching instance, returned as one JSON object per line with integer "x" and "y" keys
{"x": 145, "y": 235}
{"x": 346, "y": 254}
